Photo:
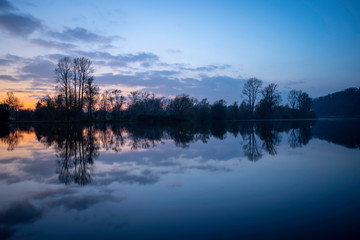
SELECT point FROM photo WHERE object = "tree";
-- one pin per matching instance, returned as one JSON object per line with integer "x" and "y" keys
{"x": 119, "y": 101}
{"x": 181, "y": 106}
{"x": 293, "y": 98}
{"x": 13, "y": 103}
{"x": 4, "y": 112}
{"x": 251, "y": 90}
{"x": 73, "y": 83}
{"x": 82, "y": 70}
{"x": 304, "y": 102}
{"x": 91, "y": 96}
{"x": 105, "y": 103}
{"x": 202, "y": 109}
{"x": 271, "y": 99}
{"x": 63, "y": 80}
{"x": 218, "y": 110}
{"x": 233, "y": 111}
{"x": 244, "y": 110}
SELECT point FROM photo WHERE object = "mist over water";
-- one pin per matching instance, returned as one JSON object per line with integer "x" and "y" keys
{"x": 211, "y": 180}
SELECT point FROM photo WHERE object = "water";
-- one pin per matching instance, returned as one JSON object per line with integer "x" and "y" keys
{"x": 247, "y": 180}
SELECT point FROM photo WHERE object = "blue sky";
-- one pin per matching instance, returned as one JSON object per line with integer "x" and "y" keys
{"x": 204, "y": 48}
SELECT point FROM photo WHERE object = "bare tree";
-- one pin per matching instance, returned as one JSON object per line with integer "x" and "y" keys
{"x": 82, "y": 70}
{"x": 251, "y": 90}
{"x": 105, "y": 103}
{"x": 63, "y": 79}
{"x": 91, "y": 95}
{"x": 304, "y": 102}
{"x": 271, "y": 95}
{"x": 118, "y": 102}
{"x": 13, "y": 103}
{"x": 293, "y": 98}
{"x": 271, "y": 99}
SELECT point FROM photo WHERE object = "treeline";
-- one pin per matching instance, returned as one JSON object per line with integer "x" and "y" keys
{"x": 78, "y": 98}
{"x": 339, "y": 104}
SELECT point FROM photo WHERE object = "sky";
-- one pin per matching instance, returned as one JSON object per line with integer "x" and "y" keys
{"x": 206, "y": 49}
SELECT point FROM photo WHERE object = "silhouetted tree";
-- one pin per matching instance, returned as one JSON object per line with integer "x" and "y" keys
{"x": 4, "y": 112}
{"x": 304, "y": 102}
{"x": 271, "y": 99}
{"x": 244, "y": 110}
{"x": 63, "y": 81}
{"x": 251, "y": 90}
{"x": 105, "y": 104}
{"x": 119, "y": 101}
{"x": 202, "y": 109}
{"x": 233, "y": 111}
{"x": 13, "y": 103}
{"x": 91, "y": 96}
{"x": 293, "y": 98}
{"x": 181, "y": 107}
{"x": 218, "y": 110}
{"x": 82, "y": 70}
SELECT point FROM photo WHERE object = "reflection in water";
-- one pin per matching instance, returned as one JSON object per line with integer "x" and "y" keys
{"x": 77, "y": 145}
{"x": 299, "y": 137}
{"x": 76, "y": 148}
{"x": 11, "y": 136}
{"x": 251, "y": 146}
{"x": 146, "y": 158}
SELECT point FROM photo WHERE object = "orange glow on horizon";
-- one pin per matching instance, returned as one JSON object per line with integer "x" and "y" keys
{"x": 26, "y": 101}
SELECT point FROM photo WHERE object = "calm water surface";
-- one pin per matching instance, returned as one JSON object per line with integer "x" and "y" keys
{"x": 247, "y": 180}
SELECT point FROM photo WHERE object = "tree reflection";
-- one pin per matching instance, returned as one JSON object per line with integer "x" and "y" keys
{"x": 251, "y": 145}
{"x": 76, "y": 155}
{"x": 11, "y": 135}
{"x": 270, "y": 136}
{"x": 76, "y": 148}
{"x": 300, "y": 135}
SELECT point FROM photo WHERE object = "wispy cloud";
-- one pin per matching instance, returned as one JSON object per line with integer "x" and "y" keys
{"x": 120, "y": 60}
{"x": 52, "y": 44}
{"x": 208, "y": 68}
{"x": 167, "y": 83}
{"x": 5, "y": 5}
{"x": 18, "y": 24}
{"x": 80, "y": 34}
{"x": 8, "y": 77}
{"x": 173, "y": 51}
{"x": 38, "y": 69}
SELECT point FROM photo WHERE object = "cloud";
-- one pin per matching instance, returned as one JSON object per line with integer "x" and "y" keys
{"x": 38, "y": 69}
{"x": 19, "y": 25}
{"x": 120, "y": 60}
{"x": 9, "y": 59}
{"x": 50, "y": 193}
{"x": 4, "y": 62}
{"x": 80, "y": 34}
{"x": 124, "y": 176}
{"x": 208, "y": 68}
{"x": 20, "y": 212}
{"x": 6, "y": 233}
{"x": 8, "y": 78}
{"x": 55, "y": 57}
{"x": 6, "y": 6}
{"x": 12, "y": 58}
{"x": 167, "y": 83}
{"x": 80, "y": 203}
{"x": 52, "y": 44}
{"x": 173, "y": 51}
{"x": 17, "y": 213}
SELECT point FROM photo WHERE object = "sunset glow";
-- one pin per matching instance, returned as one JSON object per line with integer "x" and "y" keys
{"x": 205, "y": 49}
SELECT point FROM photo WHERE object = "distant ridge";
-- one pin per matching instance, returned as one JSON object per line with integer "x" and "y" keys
{"x": 345, "y": 103}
